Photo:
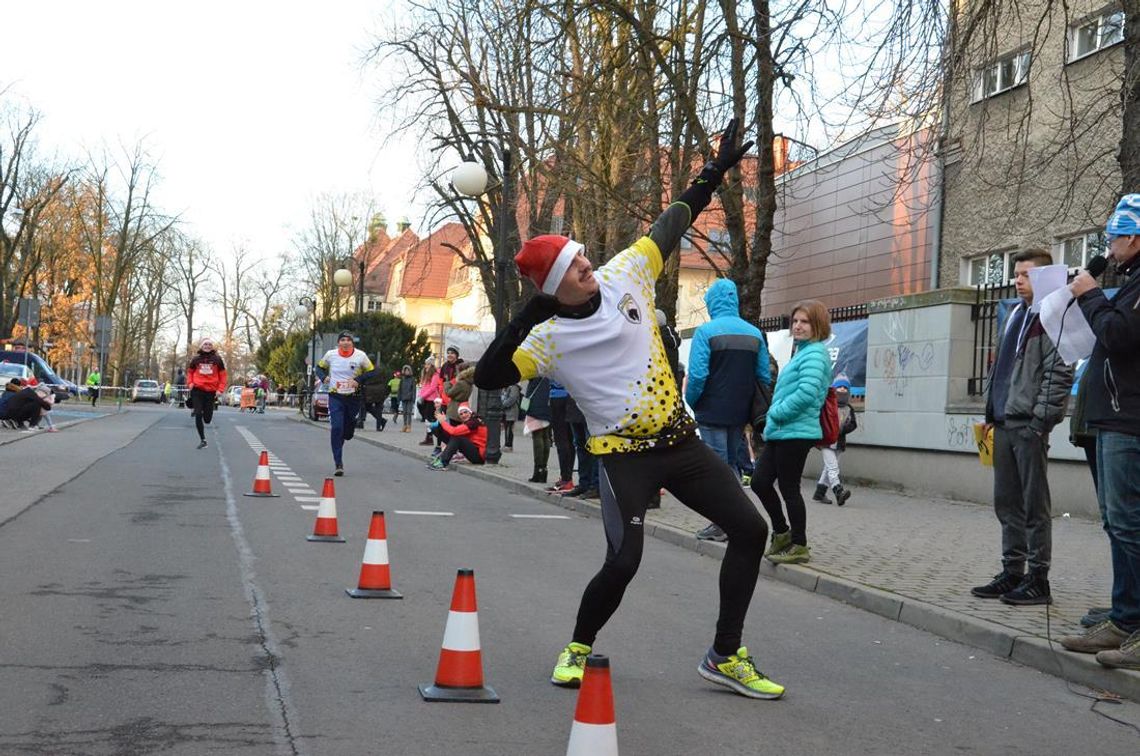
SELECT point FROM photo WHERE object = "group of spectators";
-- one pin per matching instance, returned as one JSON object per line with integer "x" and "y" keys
{"x": 25, "y": 405}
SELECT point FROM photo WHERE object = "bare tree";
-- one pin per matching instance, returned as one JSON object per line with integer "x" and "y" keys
{"x": 338, "y": 227}
{"x": 190, "y": 268}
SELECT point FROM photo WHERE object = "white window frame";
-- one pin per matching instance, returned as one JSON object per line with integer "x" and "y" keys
{"x": 1005, "y": 79}
{"x": 1092, "y": 243}
{"x": 1108, "y": 29}
{"x": 1007, "y": 268}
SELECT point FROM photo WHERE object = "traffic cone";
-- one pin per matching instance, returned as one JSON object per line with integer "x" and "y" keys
{"x": 375, "y": 578}
{"x": 459, "y": 676}
{"x": 261, "y": 486}
{"x": 325, "y": 529}
{"x": 594, "y": 732}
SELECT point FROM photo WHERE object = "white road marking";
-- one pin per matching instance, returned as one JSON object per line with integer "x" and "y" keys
{"x": 311, "y": 507}
{"x": 307, "y": 498}
{"x": 425, "y": 514}
{"x": 540, "y": 517}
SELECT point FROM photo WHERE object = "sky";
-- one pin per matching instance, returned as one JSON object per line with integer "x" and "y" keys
{"x": 250, "y": 109}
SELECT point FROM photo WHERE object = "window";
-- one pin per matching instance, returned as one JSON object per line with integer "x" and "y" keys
{"x": 687, "y": 240}
{"x": 719, "y": 240}
{"x": 373, "y": 305}
{"x": 1096, "y": 33}
{"x": 1076, "y": 251}
{"x": 994, "y": 269}
{"x": 1002, "y": 75}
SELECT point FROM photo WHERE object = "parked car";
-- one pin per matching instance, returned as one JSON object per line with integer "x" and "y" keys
{"x": 41, "y": 371}
{"x": 232, "y": 397}
{"x": 320, "y": 406}
{"x": 10, "y": 370}
{"x": 146, "y": 390}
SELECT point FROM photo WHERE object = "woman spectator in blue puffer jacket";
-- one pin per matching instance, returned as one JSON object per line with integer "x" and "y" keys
{"x": 792, "y": 429}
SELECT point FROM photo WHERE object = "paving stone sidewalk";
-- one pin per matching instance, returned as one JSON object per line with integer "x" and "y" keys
{"x": 911, "y": 559}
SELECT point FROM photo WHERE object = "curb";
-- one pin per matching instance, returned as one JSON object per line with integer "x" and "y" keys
{"x": 66, "y": 424}
{"x": 999, "y": 640}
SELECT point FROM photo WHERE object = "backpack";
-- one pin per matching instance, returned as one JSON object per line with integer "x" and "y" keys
{"x": 829, "y": 419}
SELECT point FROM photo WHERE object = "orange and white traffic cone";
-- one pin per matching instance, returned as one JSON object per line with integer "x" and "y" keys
{"x": 459, "y": 676}
{"x": 325, "y": 529}
{"x": 261, "y": 485}
{"x": 375, "y": 577}
{"x": 594, "y": 732}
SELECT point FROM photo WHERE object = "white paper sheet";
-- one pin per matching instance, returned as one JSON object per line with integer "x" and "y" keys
{"x": 1066, "y": 326}
{"x": 1045, "y": 280}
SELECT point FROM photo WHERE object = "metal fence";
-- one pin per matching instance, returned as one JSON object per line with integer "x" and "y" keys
{"x": 838, "y": 315}
{"x": 984, "y": 314}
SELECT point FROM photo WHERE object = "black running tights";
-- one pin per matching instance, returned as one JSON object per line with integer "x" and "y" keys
{"x": 693, "y": 473}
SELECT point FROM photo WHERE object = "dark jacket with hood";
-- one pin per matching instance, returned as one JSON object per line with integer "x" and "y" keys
{"x": 407, "y": 390}
{"x": 728, "y": 355}
{"x": 460, "y": 391}
{"x": 1113, "y": 402}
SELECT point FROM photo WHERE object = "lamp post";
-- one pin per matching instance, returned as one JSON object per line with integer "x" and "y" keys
{"x": 307, "y": 306}
{"x": 343, "y": 278}
{"x": 470, "y": 179}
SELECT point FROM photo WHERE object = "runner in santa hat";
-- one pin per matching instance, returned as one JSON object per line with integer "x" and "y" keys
{"x": 595, "y": 332}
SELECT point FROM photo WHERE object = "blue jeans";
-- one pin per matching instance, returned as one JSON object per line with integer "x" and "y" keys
{"x": 725, "y": 440}
{"x": 342, "y": 422}
{"x": 1118, "y": 494}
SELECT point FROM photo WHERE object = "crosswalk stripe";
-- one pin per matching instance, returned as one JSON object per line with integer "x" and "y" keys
{"x": 425, "y": 514}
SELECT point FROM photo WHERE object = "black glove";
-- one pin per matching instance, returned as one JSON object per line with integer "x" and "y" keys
{"x": 540, "y": 308}
{"x": 727, "y": 156}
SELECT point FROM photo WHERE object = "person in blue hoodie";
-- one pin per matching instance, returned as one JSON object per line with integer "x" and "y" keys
{"x": 727, "y": 357}
{"x": 791, "y": 430}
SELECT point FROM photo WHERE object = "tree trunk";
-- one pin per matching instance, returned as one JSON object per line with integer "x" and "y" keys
{"x": 765, "y": 207}
{"x": 1129, "y": 155}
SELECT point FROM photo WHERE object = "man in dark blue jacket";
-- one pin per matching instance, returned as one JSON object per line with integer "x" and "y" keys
{"x": 727, "y": 357}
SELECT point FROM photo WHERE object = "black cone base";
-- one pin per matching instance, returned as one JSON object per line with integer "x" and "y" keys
{"x": 325, "y": 539}
{"x": 368, "y": 593}
{"x": 435, "y": 693}
{"x": 263, "y": 496}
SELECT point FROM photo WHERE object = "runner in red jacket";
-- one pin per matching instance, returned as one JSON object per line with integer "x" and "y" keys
{"x": 469, "y": 436}
{"x": 206, "y": 377}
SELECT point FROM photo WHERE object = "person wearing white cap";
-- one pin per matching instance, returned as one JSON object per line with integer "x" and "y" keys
{"x": 596, "y": 333}
{"x": 1113, "y": 410}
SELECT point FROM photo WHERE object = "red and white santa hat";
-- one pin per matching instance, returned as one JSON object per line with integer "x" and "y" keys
{"x": 464, "y": 407}
{"x": 545, "y": 260}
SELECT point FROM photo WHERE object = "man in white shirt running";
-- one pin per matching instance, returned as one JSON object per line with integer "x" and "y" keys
{"x": 345, "y": 367}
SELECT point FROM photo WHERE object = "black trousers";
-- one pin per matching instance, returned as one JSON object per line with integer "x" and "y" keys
{"x": 782, "y": 463}
{"x": 202, "y": 404}
{"x": 701, "y": 480}
{"x": 464, "y": 445}
{"x": 376, "y": 409}
{"x": 563, "y": 443}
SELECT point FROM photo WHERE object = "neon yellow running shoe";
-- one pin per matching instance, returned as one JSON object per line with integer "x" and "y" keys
{"x": 571, "y": 665}
{"x": 740, "y": 674}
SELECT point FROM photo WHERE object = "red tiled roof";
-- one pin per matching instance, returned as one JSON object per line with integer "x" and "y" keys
{"x": 379, "y": 274}
{"x": 428, "y": 264}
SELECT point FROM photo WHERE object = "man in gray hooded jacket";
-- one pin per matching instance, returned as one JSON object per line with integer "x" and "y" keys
{"x": 1028, "y": 391}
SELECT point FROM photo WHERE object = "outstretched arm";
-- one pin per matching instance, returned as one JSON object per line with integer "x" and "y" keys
{"x": 497, "y": 369}
{"x": 670, "y": 226}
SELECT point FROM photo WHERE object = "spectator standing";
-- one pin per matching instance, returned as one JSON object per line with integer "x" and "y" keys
{"x": 727, "y": 357}
{"x": 450, "y": 367}
{"x": 93, "y": 382}
{"x": 458, "y": 390}
{"x": 535, "y": 404}
{"x": 1084, "y": 438}
{"x": 791, "y": 430}
{"x": 509, "y": 398}
{"x": 407, "y": 391}
{"x": 829, "y": 478}
{"x": 1028, "y": 391}
{"x": 672, "y": 343}
{"x": 468, "y": 436}
{"x": 1113, "y": 409}
{"x": 430, "y": 389}
{"x": 394, "y": 395}
{"x": 206, "y": 376}
{"x": 180, "y": 388}
{"x": 563, "y": 441}
{"x": 374, "y": 394}
{"x": 587, "y": 487}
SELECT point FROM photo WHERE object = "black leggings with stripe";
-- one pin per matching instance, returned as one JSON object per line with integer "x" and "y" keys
{"x": 697, "y": 476}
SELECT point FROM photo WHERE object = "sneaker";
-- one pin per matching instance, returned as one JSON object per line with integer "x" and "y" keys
{"x": 202, "y": 444}
{"x": 561, "y": 487}
{"x": 738, "y": 673}
{"x": 425, "y": 442}
{"x": 339, "y": 471}
{"x": 1003, "y": 583}
{"x": 1095, "y": 615}
{"x": 1125, "y": 657}
{"x": 780, "y": 541}
{"x": 1103, "y": 637}
{"x": 437, "y": 464}
{"x": 712, "y": 533}
{"x": 746, "y": 480}
{"x": 436, "y": 452}
{"x": 590, "y": 493}
{"x": 793, "y": 554}
{"x": 1033, "y": 589}
{"x": 571, "y": 665}
{"x": 573, "y": 492}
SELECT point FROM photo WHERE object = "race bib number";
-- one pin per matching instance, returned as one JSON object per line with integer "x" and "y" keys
{"x": 205, "y": 369}
{"x": 343, "y": 385}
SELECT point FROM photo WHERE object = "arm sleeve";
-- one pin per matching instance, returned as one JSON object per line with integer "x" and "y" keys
{"x": 763, "y": 371}
{"x": 671, "y": 225}
{"x": 698, "y": 367}
{"x": 321, "y": 369}
{"x": 455, "y": 430}
{"x": 223, "y": 378}
{"x": 1053, "y": 393}
{"x": 1116, "y": 323}
{"x": 506, "y": 361}
{"x": 813, "y": 381}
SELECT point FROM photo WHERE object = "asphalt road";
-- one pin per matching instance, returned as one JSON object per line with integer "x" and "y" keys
{"x": 148, "y": 607}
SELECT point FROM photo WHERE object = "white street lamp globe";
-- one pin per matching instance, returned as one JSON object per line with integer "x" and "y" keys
{"x": 470, "y": 179}
{"x": 302, "y": 310}
{"x": 342, "y": 277}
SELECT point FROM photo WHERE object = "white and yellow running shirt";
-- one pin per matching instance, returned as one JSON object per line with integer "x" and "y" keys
{"x": 613, "y": 362}
{"x": 341, "y": 369}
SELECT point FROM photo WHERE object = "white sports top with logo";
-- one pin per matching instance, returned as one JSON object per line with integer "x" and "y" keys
{"x": 613, "y": 362}
{"x": 341, "y": 369}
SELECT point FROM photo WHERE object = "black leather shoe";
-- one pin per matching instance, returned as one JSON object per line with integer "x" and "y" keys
{"x": 1034, "y": 589}
{"x": 1001, "y": 584}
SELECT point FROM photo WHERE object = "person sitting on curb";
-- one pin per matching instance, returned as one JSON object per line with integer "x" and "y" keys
{"x": 468, "y": 436}
{"x": 25, "y": 405}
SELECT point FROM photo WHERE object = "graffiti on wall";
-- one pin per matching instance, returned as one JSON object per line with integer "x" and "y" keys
{"x": 898, "y": 364}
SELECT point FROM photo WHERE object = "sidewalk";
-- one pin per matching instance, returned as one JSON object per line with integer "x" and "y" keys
{"x": 908, "y": 559}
